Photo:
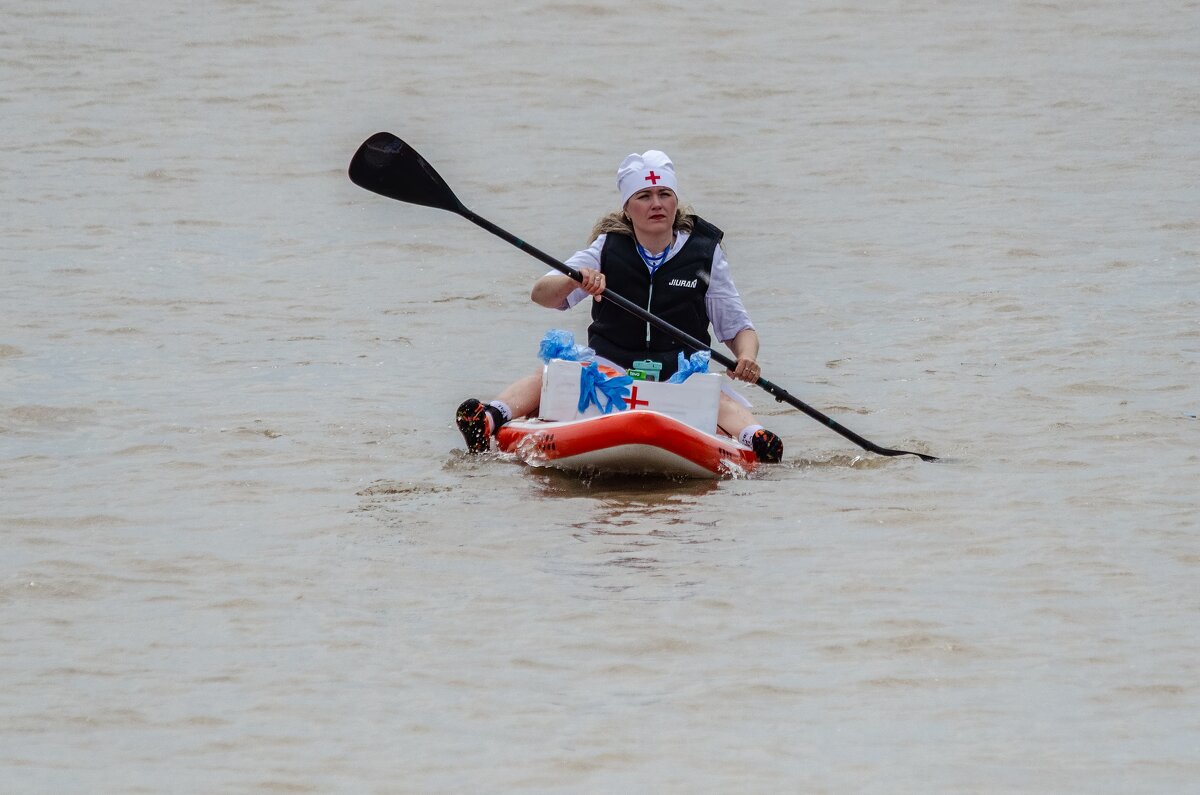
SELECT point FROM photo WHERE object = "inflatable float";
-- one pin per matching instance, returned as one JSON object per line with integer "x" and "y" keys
{"x": 643, "y": 427}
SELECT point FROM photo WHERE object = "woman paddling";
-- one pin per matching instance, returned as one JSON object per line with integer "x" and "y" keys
{"x": 663, "y": 258}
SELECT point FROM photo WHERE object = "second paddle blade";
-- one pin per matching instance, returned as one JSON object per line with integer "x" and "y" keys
{"x": 386, "y": 165}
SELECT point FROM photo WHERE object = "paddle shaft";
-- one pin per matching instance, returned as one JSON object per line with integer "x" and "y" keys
{"x": 688, "y": 340}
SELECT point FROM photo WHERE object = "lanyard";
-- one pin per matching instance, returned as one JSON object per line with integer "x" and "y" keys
{"x": 653, "y": 261}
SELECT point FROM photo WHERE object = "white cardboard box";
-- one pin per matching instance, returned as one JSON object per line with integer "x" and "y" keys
{"x": 694, "y": 401}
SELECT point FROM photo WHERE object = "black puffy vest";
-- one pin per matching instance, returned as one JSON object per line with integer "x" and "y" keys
{"x": 675, "y": 294}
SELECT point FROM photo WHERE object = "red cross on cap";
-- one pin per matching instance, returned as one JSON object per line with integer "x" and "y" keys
{"x": 653, "y": 178}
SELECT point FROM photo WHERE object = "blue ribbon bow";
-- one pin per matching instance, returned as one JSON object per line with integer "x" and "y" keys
{"x": 614, "y": 390}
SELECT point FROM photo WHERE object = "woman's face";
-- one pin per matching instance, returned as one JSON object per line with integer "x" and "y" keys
{"x": 652, "y": 211}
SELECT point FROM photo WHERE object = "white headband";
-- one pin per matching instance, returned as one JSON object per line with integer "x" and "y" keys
{"x": 648, "y": 170}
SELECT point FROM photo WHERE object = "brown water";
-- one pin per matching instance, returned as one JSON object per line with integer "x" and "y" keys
{"x": 245, "y": 552}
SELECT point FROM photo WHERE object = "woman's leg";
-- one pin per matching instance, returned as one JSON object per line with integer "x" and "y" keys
{"x": 732, "y": 417}
{"x": 523, "y": 396}
{"x": 478, "y": 422}
{"x": 735, "y": 419}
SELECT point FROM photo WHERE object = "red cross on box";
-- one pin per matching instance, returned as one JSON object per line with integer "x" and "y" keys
{"x": 633, "y": 401}
{"x": 653, "y": 178}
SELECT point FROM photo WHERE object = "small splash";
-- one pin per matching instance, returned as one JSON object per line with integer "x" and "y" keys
{"x": 462, "y": 461}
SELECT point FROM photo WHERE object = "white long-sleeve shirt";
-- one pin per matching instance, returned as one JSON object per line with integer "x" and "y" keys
{"x": 722, "y": 301}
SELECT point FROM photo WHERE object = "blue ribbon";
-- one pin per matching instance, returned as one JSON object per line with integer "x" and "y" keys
{"x": 559, "y": 344}
{"x": 614, "y": 390}
{"x": 697, "y": 363}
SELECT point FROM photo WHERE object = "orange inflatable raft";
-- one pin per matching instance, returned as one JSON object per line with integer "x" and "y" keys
{"x": 629, "y": 442}
{"x": 657, "y": 430}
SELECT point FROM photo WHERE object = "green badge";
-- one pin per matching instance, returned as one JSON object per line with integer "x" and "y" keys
{"x": 647, "y": 369}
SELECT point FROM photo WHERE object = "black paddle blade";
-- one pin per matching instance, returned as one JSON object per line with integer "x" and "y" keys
{"x": 386, "y": 165}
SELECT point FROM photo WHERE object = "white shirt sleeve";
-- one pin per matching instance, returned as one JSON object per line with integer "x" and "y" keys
{"x": 587, "y": 258}
{"x": 725, "y": 309}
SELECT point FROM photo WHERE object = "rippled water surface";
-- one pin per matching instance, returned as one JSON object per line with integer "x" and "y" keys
{"x": 244, "y": 549}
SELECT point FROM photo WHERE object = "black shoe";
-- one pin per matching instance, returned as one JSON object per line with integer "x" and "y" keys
{"x": 473, "y": 419}
{"x": 767, "y": 446}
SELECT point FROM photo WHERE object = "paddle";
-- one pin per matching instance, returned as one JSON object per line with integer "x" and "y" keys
{"x": 386, "y": 165}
